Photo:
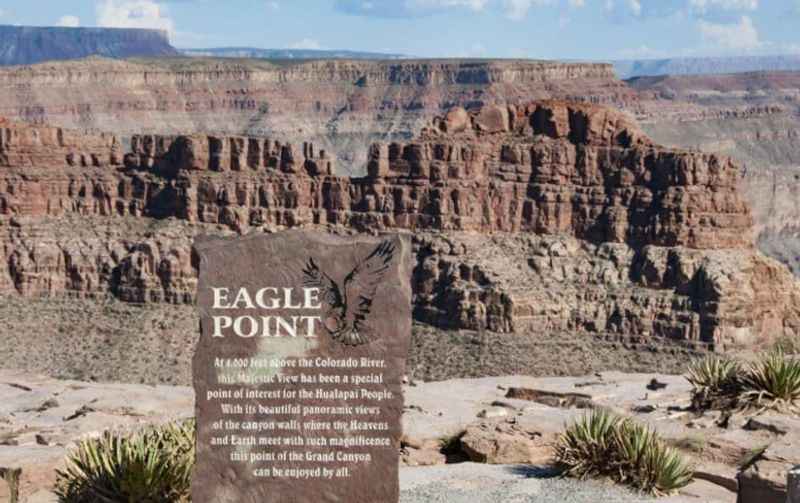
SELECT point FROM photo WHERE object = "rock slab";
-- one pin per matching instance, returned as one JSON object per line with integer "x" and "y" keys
{"x": 298, "y": 372}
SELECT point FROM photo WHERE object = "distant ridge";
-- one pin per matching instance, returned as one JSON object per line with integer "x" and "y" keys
{"x": 25, "y": 45}
{"x": 627, "y": 69}
{"x": 253, "y": 52}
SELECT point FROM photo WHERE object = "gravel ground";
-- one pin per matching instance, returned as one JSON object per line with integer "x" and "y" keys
{"x": 480, "y": 483}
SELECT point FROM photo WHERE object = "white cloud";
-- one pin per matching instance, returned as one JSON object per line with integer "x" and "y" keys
{"x": 404, "y": 8}
{"x": 731, "y": 5}
{"x": 742, "y": 36}
{"x": 69, "y": 21}
{"x": 518, "y": 9}
{"x": 513, "y": 9}
{"x": 306, "y": 43}
{"x": 133, "y": 14}
{"x": 475, "y": 5}
{"x": 273, "y": 6}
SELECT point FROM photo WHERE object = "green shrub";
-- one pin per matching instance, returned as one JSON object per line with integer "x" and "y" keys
{"x": 772, "y": 382}
{"x": 587, "y": 446}
{"x": 601, "y": 444}
{"x": 151, "y": 466}
{"x": 715, "y": 382}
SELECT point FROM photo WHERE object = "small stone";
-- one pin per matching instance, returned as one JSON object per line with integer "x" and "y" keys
{"x": 493, "y": 412}
{"x": 644, "y": 409}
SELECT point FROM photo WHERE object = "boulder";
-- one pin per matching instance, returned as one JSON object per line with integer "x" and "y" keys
{"x": 425, "y": 453}
{"x": 504, "y": 442}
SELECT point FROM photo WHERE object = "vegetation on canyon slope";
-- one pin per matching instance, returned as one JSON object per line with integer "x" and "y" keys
{"x": 150, "y": 466}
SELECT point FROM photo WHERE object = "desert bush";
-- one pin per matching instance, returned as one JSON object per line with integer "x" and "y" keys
{"x": 715, "y": 382}
{"x": 601, "y": 444}
{"x": 150, "y": 466}
{"x": 772, "y": 382}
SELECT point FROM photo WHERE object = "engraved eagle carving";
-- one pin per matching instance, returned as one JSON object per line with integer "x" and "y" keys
{"x": 350, "y": 302}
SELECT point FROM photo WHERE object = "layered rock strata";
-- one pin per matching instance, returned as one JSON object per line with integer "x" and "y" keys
{"x": 544, "y": 217}
{"x": 340, "y": 105}
{"x": 754, "y": 117}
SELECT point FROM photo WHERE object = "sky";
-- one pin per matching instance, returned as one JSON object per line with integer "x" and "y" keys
{"x": 540, "y": 29}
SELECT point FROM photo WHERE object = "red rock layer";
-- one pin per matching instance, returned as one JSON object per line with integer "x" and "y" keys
{"x": 547, "y": 168}
{"x": 579, "y": 172}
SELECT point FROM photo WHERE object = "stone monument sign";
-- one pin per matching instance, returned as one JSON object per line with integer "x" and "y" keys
{"x": 299, "y": 367}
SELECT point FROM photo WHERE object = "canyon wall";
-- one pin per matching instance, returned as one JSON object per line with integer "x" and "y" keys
{"x": 342, "y": 106}
{"x": 753, "y": 117}
{"x": 539, "y": 218}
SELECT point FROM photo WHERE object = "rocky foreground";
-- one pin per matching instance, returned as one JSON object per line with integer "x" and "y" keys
{"x": 506, "y": 425}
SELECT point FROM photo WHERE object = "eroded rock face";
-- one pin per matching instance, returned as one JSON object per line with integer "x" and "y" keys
{"x": 42, "y": 146}
{"x": 343, "y": 106}
{"x": 562, "y": 169}
{"x": 752, "y": 117}
{"x": 526, "y": 283}
{"x": 548, "y": 216}
{"x": 51, "y": 257}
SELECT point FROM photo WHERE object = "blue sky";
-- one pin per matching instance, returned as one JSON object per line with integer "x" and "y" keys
{"x": 549, "y": 29}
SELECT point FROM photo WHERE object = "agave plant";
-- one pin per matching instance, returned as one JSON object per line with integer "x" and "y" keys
{"x": 715, "y": 382}
{"x": 772, "y": 382}
{"x": 603, "y": 444}
{"x": 647, "y": 463}
{"x": 151, "y": 466}
{"x": 586, "y": 448}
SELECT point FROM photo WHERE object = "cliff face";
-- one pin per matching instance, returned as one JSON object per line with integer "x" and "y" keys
{"x": 583, "y": 224}
{"x": 545, "y": 168}
{"x": 342, "y": 106}
{"x": 26, "y": 45}
{"x": 754, "y": 117}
